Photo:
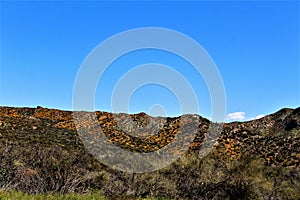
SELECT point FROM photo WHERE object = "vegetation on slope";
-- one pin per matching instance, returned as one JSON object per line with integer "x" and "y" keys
{"x": 41, "y": 154}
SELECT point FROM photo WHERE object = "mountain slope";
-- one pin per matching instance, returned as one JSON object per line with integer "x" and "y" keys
{"x": 41, "y": 151}
{"x": 274, "y": 137}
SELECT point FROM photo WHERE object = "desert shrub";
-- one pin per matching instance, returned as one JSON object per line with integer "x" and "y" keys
{"x": 37, "y": 169}
{"x": 210, "y": 178}
{"x": 6, "y": 166}
{"x": 154, "y": 184}
{"x": 285, "y": 182}
{"x": 121, "y": 185}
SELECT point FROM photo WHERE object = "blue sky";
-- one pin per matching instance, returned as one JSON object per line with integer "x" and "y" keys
{"x": 255, "y": 46}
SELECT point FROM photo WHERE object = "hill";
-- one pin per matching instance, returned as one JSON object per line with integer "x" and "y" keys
{"x": 41, "y": 152}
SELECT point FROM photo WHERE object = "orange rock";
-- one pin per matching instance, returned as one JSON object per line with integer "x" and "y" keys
{"x": 102, "y": 117}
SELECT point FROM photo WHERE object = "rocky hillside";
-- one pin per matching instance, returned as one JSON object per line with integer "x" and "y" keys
{"x": 274, "y": 139}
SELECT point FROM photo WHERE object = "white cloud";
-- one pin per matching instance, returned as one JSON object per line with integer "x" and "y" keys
{"x": 259, "y": 116}
{"x": 241, "y": 116}
{"x": 236, "y": 116}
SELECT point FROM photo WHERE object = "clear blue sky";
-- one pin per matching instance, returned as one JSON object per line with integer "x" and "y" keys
{"x": 255, "y": 46}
